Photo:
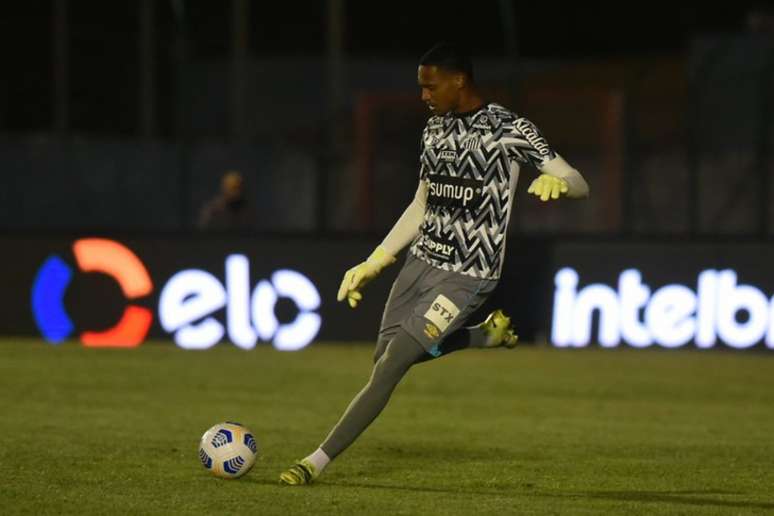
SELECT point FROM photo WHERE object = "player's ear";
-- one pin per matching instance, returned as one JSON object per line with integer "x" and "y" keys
{"x": 460, "y": 80}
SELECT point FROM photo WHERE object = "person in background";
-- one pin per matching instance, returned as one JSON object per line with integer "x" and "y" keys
{"x": 229, "y": 210}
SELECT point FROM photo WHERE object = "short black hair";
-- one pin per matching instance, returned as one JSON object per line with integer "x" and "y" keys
{"x": 449, "y": 57}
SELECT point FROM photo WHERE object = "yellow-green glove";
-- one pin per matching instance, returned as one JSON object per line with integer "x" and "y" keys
{"x": 548, "y": 187}
{"x": 357, "y": 277}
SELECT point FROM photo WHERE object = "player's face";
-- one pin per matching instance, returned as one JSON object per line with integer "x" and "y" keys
{"x": 232, "y": 186}
{"x": 440, "y": 88}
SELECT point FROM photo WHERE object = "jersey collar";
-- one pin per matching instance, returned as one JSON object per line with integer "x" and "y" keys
{"x": 468, "y": 114}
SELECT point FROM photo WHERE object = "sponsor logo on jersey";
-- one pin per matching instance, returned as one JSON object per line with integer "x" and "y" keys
{"x": 443, "y": 251}
{"x": 482, "y": 122}
{"x": 448, "y": 156}
{"x": 532, "y": 136}
{"x": 432, "y": 331}
{"x": 436, "y": 125}
{"x": 442, "y": 312}
{"x": 454, "y": 192}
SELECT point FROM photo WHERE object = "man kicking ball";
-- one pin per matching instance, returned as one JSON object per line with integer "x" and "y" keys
{"x": 456, "y": 224}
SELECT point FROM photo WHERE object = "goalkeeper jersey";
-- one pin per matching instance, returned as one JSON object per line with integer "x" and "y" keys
{"x": 470, "y": 162}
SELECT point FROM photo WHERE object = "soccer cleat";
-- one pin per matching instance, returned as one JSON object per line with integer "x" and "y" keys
{"x": 499, "y": 330}
{"x": 301, "y": 473}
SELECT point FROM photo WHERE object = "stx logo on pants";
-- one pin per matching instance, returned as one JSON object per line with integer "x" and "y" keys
{"x": 442, "y": 312}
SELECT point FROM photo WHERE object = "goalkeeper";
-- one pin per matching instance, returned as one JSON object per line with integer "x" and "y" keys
{"x": 456, "y": 225}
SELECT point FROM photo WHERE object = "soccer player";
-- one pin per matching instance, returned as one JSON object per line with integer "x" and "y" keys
{"x": 456, "y": 225}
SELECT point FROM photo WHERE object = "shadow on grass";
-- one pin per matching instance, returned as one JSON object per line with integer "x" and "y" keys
{"x": 698, "y": 498}
{"x": 441, "y": 453}
{"x": 424, "y": 489}
{"x": 509, "y": 492}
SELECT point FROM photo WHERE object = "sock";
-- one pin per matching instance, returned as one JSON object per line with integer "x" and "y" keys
{"x": 468, "y": 337}
{"x": 464, "y": 338}
{"x": 319, "y": 460}
{"x": 478, "y": 338}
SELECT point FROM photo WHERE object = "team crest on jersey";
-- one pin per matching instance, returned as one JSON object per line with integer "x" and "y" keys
{"x": 471, "y": 142}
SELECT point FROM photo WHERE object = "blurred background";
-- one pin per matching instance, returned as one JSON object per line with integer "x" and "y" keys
{"x": 199, "y": 128}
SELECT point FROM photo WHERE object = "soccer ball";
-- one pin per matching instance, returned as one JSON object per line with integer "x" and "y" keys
{"x": 228, "y": 450}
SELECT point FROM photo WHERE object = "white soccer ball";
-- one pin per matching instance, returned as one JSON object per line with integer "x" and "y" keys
{"x": 228, "y": 450}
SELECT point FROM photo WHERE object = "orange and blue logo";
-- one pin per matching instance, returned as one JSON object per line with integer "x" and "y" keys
{"x": 93, "y": 255}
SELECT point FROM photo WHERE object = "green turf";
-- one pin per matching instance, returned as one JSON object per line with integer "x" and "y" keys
{"x": 529, "y": 431}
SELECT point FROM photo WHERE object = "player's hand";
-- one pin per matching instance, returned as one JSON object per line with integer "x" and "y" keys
{"x": 548, "y": 187}
{"x": 354, "y": 280}
{"x": 357, "y": 277}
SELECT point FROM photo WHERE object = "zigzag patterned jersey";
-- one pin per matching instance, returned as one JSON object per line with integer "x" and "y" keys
{"x": 471, "y": 162}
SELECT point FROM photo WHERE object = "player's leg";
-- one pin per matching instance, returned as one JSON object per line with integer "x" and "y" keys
{"x": 438, "y": 320}
{"x": 400, "y": 303}
{"x": 495, "y": 331}
{"x": 404, "y": 294}
{"x": 400, "y": 354}
{"x": 381, "y": 344}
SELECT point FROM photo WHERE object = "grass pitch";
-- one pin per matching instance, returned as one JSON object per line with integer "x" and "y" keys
{"x": 529, "y": 431}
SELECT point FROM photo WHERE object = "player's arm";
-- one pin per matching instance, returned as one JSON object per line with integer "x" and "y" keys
{"x": 557, "y": 178}
{"x": 407, "y": 227}
{"x": 399, "y": 236}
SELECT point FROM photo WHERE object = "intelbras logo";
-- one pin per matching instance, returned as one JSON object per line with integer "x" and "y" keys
{"x": 530, "y": 132}
{"x": 447, "y": 191}
{"x": 716, "y": 309}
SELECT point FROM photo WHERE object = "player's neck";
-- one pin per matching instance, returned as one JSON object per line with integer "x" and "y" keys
{"x": 469, "y": 103}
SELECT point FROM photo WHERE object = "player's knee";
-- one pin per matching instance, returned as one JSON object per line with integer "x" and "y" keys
{"x": 393, "y": 364}
{"x": 381, "y": 345}
{"x": 384, "y": 368}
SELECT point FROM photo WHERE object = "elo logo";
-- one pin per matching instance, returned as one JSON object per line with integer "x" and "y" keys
{"x": 187, "y": 303}
{"x": 93, "y": 255}
{"x": 190, "y": 297}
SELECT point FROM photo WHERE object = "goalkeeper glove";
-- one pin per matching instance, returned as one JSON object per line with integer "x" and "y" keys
{"x": 546, "y": 187}
{"x": 357, "y": 277}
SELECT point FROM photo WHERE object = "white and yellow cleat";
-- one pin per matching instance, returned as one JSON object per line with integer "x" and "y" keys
{"x": 499, "y": 330}
{"x": 301, "y": 473}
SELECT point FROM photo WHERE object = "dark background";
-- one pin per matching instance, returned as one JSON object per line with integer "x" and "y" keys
{"x": 119, "y": 118}
{"x": 104, "y": 57}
